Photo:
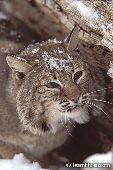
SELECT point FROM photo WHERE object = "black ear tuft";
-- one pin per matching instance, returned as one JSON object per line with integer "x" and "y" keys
{"x": 20, "y": 75}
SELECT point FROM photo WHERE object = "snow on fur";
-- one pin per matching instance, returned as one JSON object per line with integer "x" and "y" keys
{"x": 56, "y": 63}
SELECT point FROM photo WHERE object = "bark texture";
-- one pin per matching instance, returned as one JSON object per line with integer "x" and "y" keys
{"x": 57, "y": 18}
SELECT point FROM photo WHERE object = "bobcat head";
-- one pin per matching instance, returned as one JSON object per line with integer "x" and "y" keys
{"x": 54, "y": 85}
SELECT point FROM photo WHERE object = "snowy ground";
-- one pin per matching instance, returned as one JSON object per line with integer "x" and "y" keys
{"x": 19, "y": 162}
{"x": 100, "y": 159}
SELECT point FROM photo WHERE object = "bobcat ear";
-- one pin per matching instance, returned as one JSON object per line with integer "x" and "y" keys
{"x": 73, "y": 39}
{"x": 18, "y": 65}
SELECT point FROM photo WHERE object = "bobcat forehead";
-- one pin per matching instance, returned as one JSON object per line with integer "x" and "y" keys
{"x": 52, "y": 54}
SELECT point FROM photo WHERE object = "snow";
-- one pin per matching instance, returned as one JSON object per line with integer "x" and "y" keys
{"x": 19, "y": 162}
{"x": 60, "y": 51}
{"x": 22, "y": 59}
{"x": 55, "y": 63}
{"x": 37, "y": 60}
{"x": 13, "y": 33}
{"x": 104, "y": 159}
{"x": 54, "y": 40}
{"x": 88, "y": 12}
{"x": 106, "y": 26}
{"x": 110, "y": 71}
{"x": 2, "y": 16}
{"x": 35, "y": 50}
{"x": 100, "y": 158}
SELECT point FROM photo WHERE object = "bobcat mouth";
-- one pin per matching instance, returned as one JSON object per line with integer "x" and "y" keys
{"x": 45, "y": 127}
{"x": 67, "y": 106}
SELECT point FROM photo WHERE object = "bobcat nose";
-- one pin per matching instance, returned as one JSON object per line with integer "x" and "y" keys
{"x": 75, "y": 99}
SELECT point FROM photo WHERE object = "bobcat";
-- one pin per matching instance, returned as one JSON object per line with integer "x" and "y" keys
{"x": 47, "y": 88}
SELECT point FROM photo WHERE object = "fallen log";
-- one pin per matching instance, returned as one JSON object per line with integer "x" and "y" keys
{"x": 57, "y": 18}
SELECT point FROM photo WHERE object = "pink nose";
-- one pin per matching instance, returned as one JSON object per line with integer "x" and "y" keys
{"x": 75, "y": 98}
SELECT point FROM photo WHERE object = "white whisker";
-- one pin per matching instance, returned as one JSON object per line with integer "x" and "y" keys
{"x": 90, "y": 106}
{"x": 65, "y": 126}
{"x": 98, "y": 90}
{"x": 71, "y": 123}
{"x": 93, "y": 104}
{"x": 65, "y": 120}
{"x": 68, "y": 131}
{"x": 104, "y": 101}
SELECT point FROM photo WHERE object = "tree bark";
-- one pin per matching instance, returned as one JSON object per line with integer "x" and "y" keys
{"x": 56, "y": 18}
{"x": 94, "y": 17}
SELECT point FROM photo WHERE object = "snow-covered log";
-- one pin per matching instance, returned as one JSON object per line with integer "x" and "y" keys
{"x": 93, "y": 20}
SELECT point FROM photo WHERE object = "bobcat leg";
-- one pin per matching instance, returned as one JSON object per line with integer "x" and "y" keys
{"x": 7, "y": 151}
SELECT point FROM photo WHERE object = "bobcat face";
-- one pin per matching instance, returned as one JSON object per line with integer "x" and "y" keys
{"x": 54, "y": 86}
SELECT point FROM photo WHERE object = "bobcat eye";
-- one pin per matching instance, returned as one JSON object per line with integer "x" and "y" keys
{"x": 52, "y": 85}
{"x": 77, "y": 75}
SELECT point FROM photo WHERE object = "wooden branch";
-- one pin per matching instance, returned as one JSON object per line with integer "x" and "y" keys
{"x": 95, "y": 18}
